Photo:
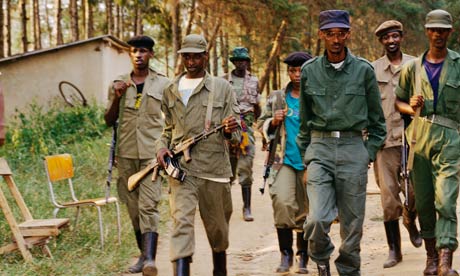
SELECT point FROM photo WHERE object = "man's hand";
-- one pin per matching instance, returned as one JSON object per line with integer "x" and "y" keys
{"x": 416, "y": 101}
{"x": 278, "y": 117}
{"x": 161, "y": 156}
{"x": 120, "y": 88}
{"x": 231, "y": 125}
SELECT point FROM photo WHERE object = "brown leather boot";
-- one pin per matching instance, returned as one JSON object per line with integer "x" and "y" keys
{"x": 409, "y": 222}
{"x": 394, "y": 243}
{"x": 445, "y": 263}
{"x": 431, "y": 268}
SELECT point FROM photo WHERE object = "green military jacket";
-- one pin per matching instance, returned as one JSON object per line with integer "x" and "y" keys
{"x": 344, "y": 99}
{"x": 448, "y": 104}
{"x": 210, "y": 157}
{"x": 139, "y": 128}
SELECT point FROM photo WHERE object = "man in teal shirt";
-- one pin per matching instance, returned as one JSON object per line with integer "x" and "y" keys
{"x": 339, "y": 98}
{"x": 436, "y": 171}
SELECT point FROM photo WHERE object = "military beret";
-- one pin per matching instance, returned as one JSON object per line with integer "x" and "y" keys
{"x": 334, "y": 19}
{"x": 141, "y": 41}
{"x": 388, "y": 26}
{"x": 296, "y": 59}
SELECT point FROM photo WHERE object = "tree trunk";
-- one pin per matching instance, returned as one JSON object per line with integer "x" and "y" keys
{"x": 318, "y": 47}
{"x": 191, "y": 17}
{"x": 139, "y": 17}
{"x": 49, "y": 28}
{"x": 73, "y": 11}
{"x": 59, "y": 38}
{"x": 22, "y": 4}
{"x": 109, "y": 16}
{"x": 215, "y": 61}
{"x": 274, "y": 53}
{"x": 8, "y": 27}
{"x": 167, "y": 61}
{"x": 37, "y": 27}
{"x": 224, "y": 50}
{"x": 84, "y": 7}
{"x": 176, "y": 36}
{"x": 2, "y": 35}
{"x": 89, "y": 18}
{"x": 117, "y": 21}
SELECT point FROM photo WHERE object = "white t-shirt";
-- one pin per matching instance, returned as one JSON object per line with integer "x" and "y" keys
{"x": 186, "y": 87}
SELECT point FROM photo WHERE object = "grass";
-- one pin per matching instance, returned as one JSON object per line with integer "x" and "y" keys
{"x": 76, "y": 250}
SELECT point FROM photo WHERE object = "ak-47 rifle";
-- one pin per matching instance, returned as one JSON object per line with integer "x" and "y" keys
{"x": 173, "y": 168}
{"x": 404, "y": 170}
{"x": 113, "y": 145}
{"x": 270, "y": 159}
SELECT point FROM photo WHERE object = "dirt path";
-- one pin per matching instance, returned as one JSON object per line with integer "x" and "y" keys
{"x": 253, "y": 245}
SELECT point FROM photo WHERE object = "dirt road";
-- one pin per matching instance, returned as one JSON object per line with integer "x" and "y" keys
{"x": 253, "y": 245}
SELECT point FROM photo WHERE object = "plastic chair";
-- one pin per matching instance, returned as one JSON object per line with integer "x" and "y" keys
{"x": 60, "y": 167}
{"x": 30, "y": 232}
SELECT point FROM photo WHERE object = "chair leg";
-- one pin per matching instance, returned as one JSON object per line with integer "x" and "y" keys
{"x": 118, "y": 222}
{"x": 101, "y": 229}
{"x": 46, "y": 251}
{"x": 55, "y": 211}
{"x": 77, "y": 216}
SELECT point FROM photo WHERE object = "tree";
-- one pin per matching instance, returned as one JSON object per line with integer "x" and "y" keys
{"x": 58, "y": 19}
{"x": 2, "y": 37}
{"x": 37, "y": 26}
{"x": 22, "y": 5}
{"x": 73, "y": 11}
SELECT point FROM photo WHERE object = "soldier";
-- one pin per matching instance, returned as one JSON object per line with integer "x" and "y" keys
{"x": 387, "y": 165}
{"x": 245, "y": 86}
{"x": 339, "y": 97}
{"x": 193, "y": 96}
{"x": 135, "y": 101}
{"x": 436, "y": 171}
{"x": 287, "y": 186}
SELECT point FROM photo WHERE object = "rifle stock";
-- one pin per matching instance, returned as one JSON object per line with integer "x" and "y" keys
{"x": 134, "y": 180}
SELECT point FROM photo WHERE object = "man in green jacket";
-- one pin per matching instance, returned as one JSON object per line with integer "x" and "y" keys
{"x": 436, "y": 171}
{"x": 195, "y": 102}
{"x": 339, "y": 98}
{"x": 135, "y": 101}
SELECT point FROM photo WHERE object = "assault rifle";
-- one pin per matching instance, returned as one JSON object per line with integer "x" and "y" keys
{"x": 405, "y": 170}
{"x": 270, "y": 159}
{"x": 111, "y": 160}
{"x": 173, "y": 168}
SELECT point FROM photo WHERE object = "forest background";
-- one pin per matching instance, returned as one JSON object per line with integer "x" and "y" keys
{"x": 270, "y": 29}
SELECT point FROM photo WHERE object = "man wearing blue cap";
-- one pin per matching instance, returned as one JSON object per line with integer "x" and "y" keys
{"x": 431, "y": 85}
{"x": 339, "y": 98}
{"x": 246, "y": 87}
{"x": 135, "y": 101}
{"x": 286, "y": 181}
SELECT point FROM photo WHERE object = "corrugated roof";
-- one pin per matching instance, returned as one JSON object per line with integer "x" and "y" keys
{"x": 112, "y": 40}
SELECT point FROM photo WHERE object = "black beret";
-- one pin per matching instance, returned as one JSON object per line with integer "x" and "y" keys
{"x": 296, "y": 59}
{"x": 141, "y": 41}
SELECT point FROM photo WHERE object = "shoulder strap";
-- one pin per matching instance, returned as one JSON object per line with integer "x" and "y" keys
{"x": 207, "y": 122}
{"x": 418, "y": 72}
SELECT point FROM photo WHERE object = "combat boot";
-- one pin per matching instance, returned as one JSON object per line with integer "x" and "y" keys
{"x": 285, "y": 241}
{"x": 324, "y": 269}
{"x": 137, "y": 267}
{"x": 431, "y": 268}
{"x": 246, "y": 192}
{"x": 445, "y": 263}
{"x": 409, "y": 222}
{"x": 302, "y": 249}
{"x": 181, "y": 267}
{"x": 219, "y": 260}
{"x": 150, "y": 242}
{"x": 394, "y": 243}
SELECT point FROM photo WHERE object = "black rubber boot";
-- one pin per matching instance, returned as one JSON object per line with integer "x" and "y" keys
{"x": 285, "y": 241}
{"x": 246, "y": 192}
{"x": 137, "y": 267}
{"x": 409, "y": 222}
{"x": 219, "y": 260}
{"x": 432, "y": 258}
{"x": 181, "y": 267}
{"x": 394, "y": 243}
{"x": 150, "y": 242}
{"x": 302, "y": 249}
{"x": 324, "y": 269}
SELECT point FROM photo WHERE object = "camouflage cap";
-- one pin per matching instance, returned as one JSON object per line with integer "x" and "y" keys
{"x": 388, "y": 26}
{"x": 193, "y": 43}
{"x": 438, "y": 19}
{"x": 240, "y": 53}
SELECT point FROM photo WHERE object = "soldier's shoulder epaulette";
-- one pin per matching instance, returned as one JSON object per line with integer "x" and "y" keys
{"x": 308, "y": 62}
{"x": 365, "y": 61}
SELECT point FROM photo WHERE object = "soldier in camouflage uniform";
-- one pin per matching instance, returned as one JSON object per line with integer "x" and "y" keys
{"x": 245, "y": 86}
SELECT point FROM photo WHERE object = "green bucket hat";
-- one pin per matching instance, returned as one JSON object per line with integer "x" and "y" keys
{"x": 438, "y": 19}
{"x": 240, "y": 53}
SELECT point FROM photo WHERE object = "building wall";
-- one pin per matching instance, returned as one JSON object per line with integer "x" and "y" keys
{"x": 36, "y": 77}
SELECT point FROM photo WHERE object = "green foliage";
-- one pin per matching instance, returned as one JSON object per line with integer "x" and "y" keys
{"x": 38, "y": 132}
